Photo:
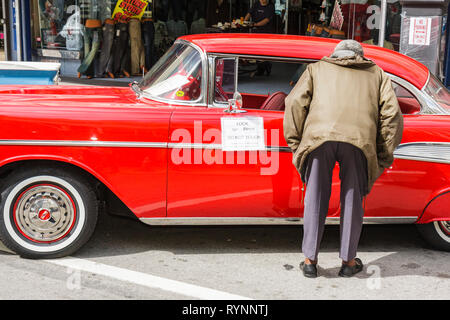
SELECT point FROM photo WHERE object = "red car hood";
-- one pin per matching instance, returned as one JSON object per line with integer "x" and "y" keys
{"x": 66, "y": 96}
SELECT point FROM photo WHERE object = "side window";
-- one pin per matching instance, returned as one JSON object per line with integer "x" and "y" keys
{"x": 407, "y": 101}
{"x": 264, "y": 84}
{"x": 224, "y": 79}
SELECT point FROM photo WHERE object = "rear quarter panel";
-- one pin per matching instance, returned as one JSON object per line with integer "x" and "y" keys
{"x": 407, "y": 187}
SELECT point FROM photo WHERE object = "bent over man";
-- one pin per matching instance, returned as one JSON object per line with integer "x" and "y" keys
{"x": 343, "y": 109}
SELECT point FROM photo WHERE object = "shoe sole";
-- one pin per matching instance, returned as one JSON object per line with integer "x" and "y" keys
{"x": 307, "y": 275}
{"x": 341, "y": 274}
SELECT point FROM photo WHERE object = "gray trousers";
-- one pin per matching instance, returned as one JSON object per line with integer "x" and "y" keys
{"x": 318, "y": 175}
{"x": 105, "y": 54}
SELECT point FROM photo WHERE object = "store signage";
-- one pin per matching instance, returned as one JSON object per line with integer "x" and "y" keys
{"x": 242, "y": 133}
{"x": 128, "y": 9}
{"x": 419, "y": 31}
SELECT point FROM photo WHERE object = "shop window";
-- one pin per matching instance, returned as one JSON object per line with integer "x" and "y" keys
{"x": 356, "y": 19}
{"x": 362, "y": 19}
{"x": 61, "y": 24}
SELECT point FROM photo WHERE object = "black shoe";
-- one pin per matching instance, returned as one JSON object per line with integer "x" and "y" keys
{"x": 309, "y": 270}
{"x": 347, "y": 271}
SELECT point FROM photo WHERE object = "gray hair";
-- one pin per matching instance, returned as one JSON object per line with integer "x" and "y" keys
{"x": 348, "y": 48}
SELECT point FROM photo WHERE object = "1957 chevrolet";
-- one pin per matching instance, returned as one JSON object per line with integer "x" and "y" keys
{"x": 200, "y": 141}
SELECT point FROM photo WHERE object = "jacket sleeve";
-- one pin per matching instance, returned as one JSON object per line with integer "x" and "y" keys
{"x": 390, "y": 123}
{"x": 297, "y": 106}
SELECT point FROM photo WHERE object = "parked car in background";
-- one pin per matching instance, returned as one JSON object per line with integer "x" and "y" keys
{"x": 26, "y": 72}
{"x": 200, "y": 141}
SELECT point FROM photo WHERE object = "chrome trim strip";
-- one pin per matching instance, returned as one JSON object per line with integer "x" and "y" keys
{"x": 278, "y": 149}
{"x": 199, "y": 221}
{"x": 437, "y": 152}
{"x": 71, "y": 143}
{"x": 181, "y": 145}
{"x": 124, "y": 144}
{"x": 426, "y": 82}
{"x": 217, "y": 146}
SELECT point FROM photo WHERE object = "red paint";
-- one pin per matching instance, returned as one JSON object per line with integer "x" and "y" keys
{"x": 44, "y": 215}
{"x": 437, "y": 208}
{"x": 302, "y": 47}
{"x": 152, "y": 184}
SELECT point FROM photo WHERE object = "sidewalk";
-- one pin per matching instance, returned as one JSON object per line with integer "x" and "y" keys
{"x": 108, "y": 82}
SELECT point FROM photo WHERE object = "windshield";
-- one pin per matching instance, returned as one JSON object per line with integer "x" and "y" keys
{"x": 438, "y": 92}
{"x": 176, "y": 76}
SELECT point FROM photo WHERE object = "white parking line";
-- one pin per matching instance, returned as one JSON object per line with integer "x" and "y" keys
{"x": 145, "y": 279}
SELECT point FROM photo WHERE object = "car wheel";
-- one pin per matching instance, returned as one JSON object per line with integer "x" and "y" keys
{"x": 437, "y": 234}
{"x": 47, "y": 212}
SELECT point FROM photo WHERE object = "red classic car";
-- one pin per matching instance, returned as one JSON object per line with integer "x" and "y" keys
{"x": 200, "y": 141}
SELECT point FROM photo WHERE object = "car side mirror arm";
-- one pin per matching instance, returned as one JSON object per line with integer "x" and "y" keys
{"x": 235, "y": 104}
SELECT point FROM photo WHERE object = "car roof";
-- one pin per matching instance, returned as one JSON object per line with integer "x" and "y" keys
{"x": 292, "y": 46}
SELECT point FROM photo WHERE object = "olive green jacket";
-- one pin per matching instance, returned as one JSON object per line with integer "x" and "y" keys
{"x": 348, "y": 100}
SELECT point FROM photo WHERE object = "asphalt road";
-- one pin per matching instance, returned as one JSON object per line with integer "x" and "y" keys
{"x": 126, "y": 259}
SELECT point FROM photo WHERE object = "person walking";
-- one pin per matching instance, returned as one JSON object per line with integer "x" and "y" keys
{"x": 343, "y": 109}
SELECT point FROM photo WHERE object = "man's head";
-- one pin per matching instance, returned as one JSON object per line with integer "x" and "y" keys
{"x": 264, "y": 2}
{"x": 348, "y": 48}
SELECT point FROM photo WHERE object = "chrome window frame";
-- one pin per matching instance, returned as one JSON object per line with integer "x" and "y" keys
{"x": 212, "y": 83}
{"x": 436, "y": 108}
{"x": 214, "y": 55}
{"x": 427, "y": 104}
{"x": 202, "y": 100}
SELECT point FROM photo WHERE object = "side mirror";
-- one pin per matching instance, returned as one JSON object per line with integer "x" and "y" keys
{"x": 235, "y": 104}
{"x": 238, "y": 99}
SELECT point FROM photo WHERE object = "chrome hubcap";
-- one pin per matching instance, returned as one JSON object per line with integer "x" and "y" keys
{"x": 445, "y": 226}
{"x": 44, "y": 213}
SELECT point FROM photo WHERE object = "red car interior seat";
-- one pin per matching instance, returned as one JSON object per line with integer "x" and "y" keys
{"x": 409, "y": 105}
{"x": 275, "y": 101}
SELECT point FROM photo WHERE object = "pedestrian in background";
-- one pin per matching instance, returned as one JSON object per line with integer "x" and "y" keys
{"x": 344, "y": 109}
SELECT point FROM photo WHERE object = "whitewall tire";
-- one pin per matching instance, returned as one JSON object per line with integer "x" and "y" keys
{"x": 437, "y": 234}
{"x": 46, "y": 213}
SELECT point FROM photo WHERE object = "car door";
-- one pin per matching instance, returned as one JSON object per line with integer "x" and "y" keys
{"x": 206, "y": 180}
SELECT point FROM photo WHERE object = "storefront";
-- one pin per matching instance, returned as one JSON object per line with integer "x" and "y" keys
{"x": 82, "y": 35}
{"x": 116, "y": 38}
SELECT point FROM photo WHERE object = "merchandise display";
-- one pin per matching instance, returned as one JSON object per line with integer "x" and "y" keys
{"x": 119, "y": 38}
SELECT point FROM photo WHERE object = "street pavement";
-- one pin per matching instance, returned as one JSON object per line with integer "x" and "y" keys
{"x": 126, "y": 259}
